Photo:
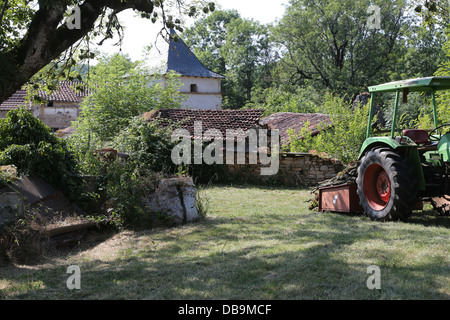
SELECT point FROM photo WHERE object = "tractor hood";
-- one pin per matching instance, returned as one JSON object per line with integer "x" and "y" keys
{"x": 444, "y": 147}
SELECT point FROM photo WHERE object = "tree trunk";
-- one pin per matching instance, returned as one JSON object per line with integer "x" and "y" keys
{"x": 48, "y": 37}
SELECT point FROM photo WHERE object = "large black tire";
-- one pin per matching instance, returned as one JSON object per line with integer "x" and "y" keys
{"x": 386, "y": 185}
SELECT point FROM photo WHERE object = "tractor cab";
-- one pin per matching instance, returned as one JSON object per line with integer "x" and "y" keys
{"x": 418, "y": 136}
{"x": 404, "y": 166}
{"x": 430, "y": 144}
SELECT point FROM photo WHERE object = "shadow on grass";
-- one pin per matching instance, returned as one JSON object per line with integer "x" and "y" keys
{"x": 429, "y": 218}
{"x": 210, "y": 261}
{"x": 426, "y": 218}
{"x": 299, "y": 254}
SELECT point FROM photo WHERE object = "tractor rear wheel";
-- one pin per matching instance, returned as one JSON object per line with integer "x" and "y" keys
{"x": 441, "y": 205}
{"x": 386, "y": 185}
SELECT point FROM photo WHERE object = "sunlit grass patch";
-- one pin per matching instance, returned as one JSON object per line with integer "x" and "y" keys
{"x": 254, "y": 243}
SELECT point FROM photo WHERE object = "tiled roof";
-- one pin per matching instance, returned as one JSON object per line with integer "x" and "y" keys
{"x": 222, "y": 120}
{"x": 66, "y": 92}
{"x": 176, "y": 56}
{"x": 17, "y": 99}
{"x": 283, "y": 121}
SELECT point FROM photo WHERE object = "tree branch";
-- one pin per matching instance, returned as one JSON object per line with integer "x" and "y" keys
{"x": 5, "y": 5}
{"x": 48, "y": 37}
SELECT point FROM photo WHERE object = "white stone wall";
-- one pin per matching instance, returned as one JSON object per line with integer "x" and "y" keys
{"x": 204, "y": 85}
{"x": 59, "y": 116}
{"x": 206, "y": 94}
{"x": 203, "y": 101}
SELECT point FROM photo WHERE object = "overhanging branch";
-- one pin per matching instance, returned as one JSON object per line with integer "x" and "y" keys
{"x": 48, "y": 37}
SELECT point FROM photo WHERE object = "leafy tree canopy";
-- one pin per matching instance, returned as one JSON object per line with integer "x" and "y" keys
{"x": 120, "y": 90}
{"x": 34, "y": 33}
{"x": 29, "y": 144}
{"x": 334, "y": 44}
{"x": 235, "y": 47}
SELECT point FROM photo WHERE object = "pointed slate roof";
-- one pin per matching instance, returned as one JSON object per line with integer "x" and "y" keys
{"x": 176, "y": 56}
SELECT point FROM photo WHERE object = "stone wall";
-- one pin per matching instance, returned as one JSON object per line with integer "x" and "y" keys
{"x": 11, "y": 207}
{"x": 59, "y": 116}
{"x": 295, "y": 169}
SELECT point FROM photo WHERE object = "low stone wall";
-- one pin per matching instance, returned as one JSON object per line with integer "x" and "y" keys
{"x": 295, "y": 169}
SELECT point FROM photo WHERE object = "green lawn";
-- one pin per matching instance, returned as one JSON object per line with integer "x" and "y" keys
{"x": 256, "y": 243}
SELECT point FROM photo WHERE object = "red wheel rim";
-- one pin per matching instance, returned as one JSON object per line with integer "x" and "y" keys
{"x": 377, "y": 187}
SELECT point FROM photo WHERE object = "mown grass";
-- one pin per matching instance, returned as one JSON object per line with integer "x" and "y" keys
{"x": 255, "y": 243}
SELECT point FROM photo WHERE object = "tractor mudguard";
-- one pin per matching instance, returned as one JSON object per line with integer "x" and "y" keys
{"x": 408, "y": 147}
{"x": 393, "y": 144}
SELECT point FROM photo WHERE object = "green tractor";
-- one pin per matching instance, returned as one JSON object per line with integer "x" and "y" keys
{"x": 404, "y": 167}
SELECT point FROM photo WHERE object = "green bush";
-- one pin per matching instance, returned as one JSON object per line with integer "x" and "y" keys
{"x": 272, "y": 100}
{"x": 342, "y": 141}
{"x": 126, "y": 182}
{"x": 148, "y": 144}
{"x": 29, "y": 144}
{"x": 21, "y": 127}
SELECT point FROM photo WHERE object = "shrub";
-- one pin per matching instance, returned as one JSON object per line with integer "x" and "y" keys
{"x": 301, "y": 100}
{"x": 29, "y": 145}
{"x": 343, "y": 141}
{"x": 127, "y": 182}
{"x": 148, "y": 144}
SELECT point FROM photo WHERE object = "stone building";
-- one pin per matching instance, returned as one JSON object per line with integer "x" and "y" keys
{"x": 62, "y": 106}
{"x": 295, "y": 169}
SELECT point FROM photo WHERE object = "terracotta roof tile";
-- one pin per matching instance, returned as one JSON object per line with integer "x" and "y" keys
{"x": 284, "y": 121}
{"x": 17, "y": 99}
{"x": 62, "y": 94}
{"x": 222, "y": 120}
{"x": 66, "y": 92}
